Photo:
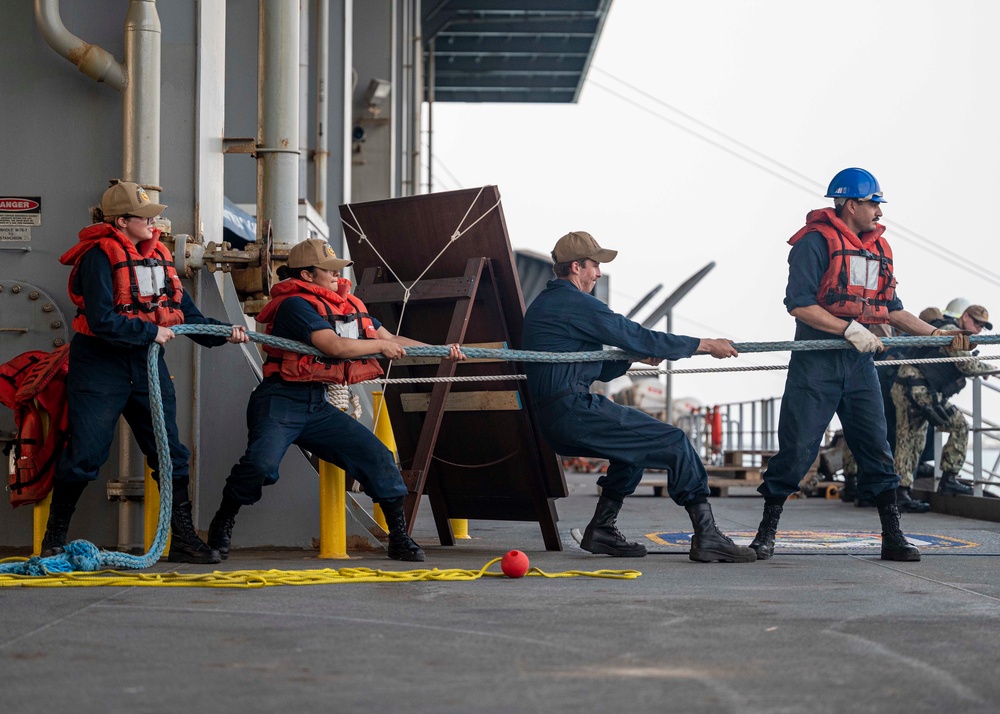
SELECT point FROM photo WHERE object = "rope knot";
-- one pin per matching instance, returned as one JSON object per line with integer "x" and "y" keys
{"x": 83, "y": 555}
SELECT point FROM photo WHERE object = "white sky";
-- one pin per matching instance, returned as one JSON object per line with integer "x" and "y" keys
{"x": 904, "y": 88}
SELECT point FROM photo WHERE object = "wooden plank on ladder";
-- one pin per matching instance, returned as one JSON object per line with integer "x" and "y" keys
{"x": 502, "y": 401}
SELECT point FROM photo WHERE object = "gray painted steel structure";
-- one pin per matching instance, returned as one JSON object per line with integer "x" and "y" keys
{"x": 66, "y": 140}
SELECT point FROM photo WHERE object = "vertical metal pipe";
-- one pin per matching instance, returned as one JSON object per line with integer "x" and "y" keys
{"x": 765, "y": 426}
{"x": 977, "y": 435}
{"x": 278, "y": 120}
{"x": 418, "y": 94}
{"x": 430, "y": 124}
{"x": 396, "y": 103}
{"x": 773, "y": 423}
{"x": 303, "y": 99}
{"x": 739, "y": 434}
{"x": 346, "y": 84}
{"x": 141, "y": 120}
{"x": 320, "y": 162}
{"x": 668, "y": 390}
{"x": 938, "y": 448}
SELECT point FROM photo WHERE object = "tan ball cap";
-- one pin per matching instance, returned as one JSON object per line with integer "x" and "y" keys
{"x": 315, "y": 253}
{"x": 127, "y": 198}
{"x": 579, "y": 245}
{"x": 979, "y": 314}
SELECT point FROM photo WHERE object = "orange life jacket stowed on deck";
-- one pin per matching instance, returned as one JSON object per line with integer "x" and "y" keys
{"x": 858, "y": 284}
{"x": 146, "y": 284}
{"x": 347, "y": 316}
{"x": 33, "y": 385}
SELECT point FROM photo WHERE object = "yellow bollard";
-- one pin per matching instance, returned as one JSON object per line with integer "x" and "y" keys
{"x": 151, "y": 510}
{"x": 383, "y": 430}
{"x": 380, "y": 517}
{"x": 460, "y": 528}
{"x": 40, "y": 513}
{"x": 332, "y": 512}
{"x": 40, "y": 519}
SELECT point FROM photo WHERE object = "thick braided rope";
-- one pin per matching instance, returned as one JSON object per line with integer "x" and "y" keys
{"x": 594, "y": 356}
{"x": 81, "y": 555}
{"x": 656, "y": 372}
{"x": 742, "y": 347}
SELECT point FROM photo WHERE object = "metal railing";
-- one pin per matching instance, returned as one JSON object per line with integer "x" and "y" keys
{"x": 982, "y": 429}
{"x": 750, "y": 427}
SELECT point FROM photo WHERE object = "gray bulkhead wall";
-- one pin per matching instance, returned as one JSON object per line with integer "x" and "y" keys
{"x": 65, "y": 142}
{"x": 375, "y": 51}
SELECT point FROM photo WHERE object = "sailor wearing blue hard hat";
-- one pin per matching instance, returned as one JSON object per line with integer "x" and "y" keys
{"x": 841, "y": 282}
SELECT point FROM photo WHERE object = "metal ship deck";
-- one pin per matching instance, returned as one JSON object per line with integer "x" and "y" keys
{"x": 823, "y": 627}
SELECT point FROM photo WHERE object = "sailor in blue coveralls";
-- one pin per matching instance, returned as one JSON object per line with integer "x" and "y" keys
{"x": 575, "y": 422}
{"x": 840, "y": 279}
{"x": 312, "y": 305}
{"x": 128, "y": 295}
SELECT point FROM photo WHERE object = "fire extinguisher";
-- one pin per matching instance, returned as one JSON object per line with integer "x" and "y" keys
{"x": 716, "y": 430}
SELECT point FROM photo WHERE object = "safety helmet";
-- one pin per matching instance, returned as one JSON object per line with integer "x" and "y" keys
{"x": 956, "y": 307}
{"x": 855, "y": 183}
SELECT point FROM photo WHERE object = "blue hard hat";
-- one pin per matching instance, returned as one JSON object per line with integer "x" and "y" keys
{"x": 855, "y": 183}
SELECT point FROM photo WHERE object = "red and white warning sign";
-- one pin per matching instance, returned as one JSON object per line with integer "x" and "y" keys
{"x": 20, "y": 210}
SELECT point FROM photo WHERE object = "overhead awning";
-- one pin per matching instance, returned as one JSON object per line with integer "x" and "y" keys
{"x": 509, "y": 50}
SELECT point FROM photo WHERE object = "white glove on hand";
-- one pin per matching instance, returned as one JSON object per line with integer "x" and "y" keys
{"x": 862, "y": 340}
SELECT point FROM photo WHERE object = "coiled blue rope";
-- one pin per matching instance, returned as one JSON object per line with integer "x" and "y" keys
{"x": 81, "y": 555}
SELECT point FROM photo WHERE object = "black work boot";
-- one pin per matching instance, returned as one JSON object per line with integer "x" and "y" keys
{"x": 951, "y": 485}
{"x": 185, "y": 545}
{"x": 220, "y": 530}
{"x": 401, "y": 546}
{"x": 602, "y": 536}
{"x": 763, "y": 543}
{"x": 709, "y": 543}
{"x": 56, "y": 528}
{"x": 908, "y": 504}
{"x": 894, "y": 543}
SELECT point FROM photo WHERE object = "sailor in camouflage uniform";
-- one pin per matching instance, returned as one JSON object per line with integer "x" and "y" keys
{"x": 920, "y": 395}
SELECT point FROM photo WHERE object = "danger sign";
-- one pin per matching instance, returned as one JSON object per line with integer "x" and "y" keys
{"x": 20, "y": 210}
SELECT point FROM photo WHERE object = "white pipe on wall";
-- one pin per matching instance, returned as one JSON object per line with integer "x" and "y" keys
{"x": 278, "y": 120}
{"x": 93, "y": 61}
{"x": 322, "y": 106}
{"x": 141, "y": 121}
{"x": 303, "y": 99}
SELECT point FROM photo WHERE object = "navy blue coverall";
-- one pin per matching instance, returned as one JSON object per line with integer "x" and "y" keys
{"x": 577, "y": 423}
{"x": 821, "y": 383}
{"x": 108, "y": 378}
{"x": 282, "y": 413}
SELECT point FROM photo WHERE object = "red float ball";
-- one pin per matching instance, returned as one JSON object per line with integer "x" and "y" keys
{"x": 514, "y": 564}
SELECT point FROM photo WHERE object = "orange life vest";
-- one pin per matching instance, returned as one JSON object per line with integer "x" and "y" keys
{"x": 859, "y": 283}
{"x": 33, "y": 385}
{"x": 347, "y": 316}
{"x": 146, "y": 284}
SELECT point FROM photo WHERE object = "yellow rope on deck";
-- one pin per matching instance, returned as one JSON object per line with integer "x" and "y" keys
{"x": 265, "y": 578}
